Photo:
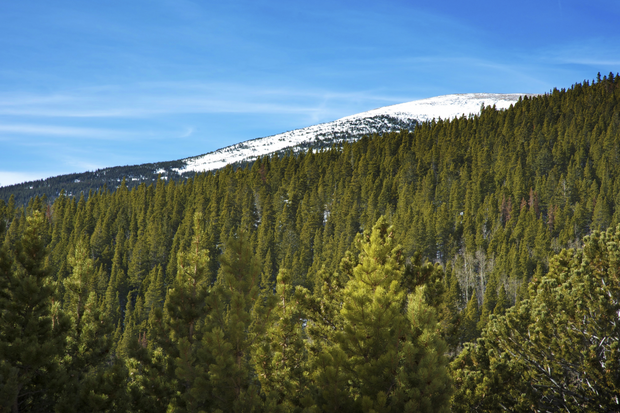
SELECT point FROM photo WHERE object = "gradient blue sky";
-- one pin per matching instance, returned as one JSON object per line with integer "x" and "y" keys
{"x": 91, "y": 84}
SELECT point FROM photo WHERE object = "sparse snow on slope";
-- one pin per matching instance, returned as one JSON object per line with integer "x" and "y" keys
{"x": 386, "y": 119}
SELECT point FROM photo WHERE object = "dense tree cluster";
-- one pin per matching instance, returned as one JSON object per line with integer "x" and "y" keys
{"x": 332, "y": 281}
{"x": 557, "y": 350}
{"x": 135, "y": 175}
{"x": 76, "y": 183}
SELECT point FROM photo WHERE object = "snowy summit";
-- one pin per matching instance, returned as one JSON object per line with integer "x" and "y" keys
{"x": 382, "y": 120}
{"x": 444, "y": 107}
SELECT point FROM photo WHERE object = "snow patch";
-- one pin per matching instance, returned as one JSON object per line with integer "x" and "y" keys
{"x": 444, "y": 107}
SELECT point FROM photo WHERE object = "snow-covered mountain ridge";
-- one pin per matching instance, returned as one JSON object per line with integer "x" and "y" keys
{"x": 403, "y": 116}
{"x": 382, "y": 120}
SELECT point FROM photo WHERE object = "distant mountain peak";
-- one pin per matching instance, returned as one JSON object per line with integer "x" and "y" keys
{"x": 444, "y": 107}
{"x": 381, "y": 120}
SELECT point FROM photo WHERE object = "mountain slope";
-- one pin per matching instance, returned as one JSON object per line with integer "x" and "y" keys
{"x": 382, "y": 120}
{"x": 350, "y": 128}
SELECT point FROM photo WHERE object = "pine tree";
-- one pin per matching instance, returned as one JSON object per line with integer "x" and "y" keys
{"x": 89, "y": 379}
{"x": 154, "y": 297}
{"x": 502, "y": 302}
{"x": 452, "y": 318}
{"x": 279, "y": 356}
{"x": 376, "y": 347}
{"x": 126, "y": 345}
{"x": 32, "y": 329}
{"x": 94, "y": 380}
{"x": 236, "y": 320}
{"x": 117, "y": 284}
{"x": 77, "y": 285}
{"x": 185, "y": 310}
{"x": 469, "y": 324}
{"x": 489, "y": 302}
{"x": 424, "y": 384}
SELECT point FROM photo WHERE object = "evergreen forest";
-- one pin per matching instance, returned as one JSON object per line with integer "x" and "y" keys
{"x": 467, "y": 265}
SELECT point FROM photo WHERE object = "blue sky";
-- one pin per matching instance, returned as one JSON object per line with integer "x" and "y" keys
{"x": 90, "y": 84}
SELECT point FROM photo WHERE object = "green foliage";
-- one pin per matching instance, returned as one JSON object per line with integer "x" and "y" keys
{"x": 380, "y": 351}
{"x": 183, "y": 320}
{"x": 280, "y": 358}
{"x": 32, "y": 329}
{"x": 424, "y": 384}
{"x": 470, "y": 320}
{"x": 235, "y": 322}
{"x": 89, "y": 379}
{"x": 559, "y": 349}
{"x": 186, "y": 300}
{"x": 134, "y": 307}
{"x": 373, "y": 322}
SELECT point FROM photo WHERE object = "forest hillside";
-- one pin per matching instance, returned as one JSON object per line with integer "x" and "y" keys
{"x": 400, "y": 272}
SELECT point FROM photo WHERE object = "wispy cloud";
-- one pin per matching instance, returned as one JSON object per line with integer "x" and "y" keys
{"x": 154, "y": 99}
{"x": 63, "y": 131}
{"x": 590, "y": 52}
{"x": 188, "y": 132}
